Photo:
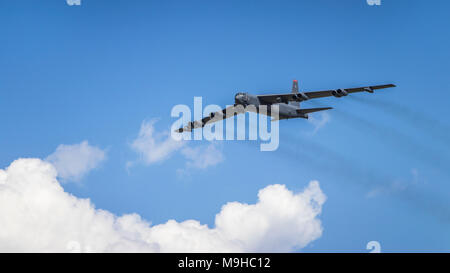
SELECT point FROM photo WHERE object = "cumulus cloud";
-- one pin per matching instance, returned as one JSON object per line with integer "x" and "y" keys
{"x": 155, "y": 147}
{"x": 152, "y": 146}
{"x": 203, "y": 156}
{"x": 37, "y": 215}
{"x": 279, "y": 221}
{"x": 200, "y": 157}
{"x": 74, "y": 161}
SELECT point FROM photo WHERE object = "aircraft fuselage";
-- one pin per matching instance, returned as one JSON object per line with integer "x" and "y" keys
{"x": 286, "y": 109}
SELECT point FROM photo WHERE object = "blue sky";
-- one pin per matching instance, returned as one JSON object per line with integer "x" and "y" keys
{"x": 96, "y": 71}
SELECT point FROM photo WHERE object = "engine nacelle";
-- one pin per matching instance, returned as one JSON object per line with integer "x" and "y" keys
{"x": 300, "y": 97}
{"x": 196, "y": 124}
{"x": 339, "y": 93}
{"x": 368, "y": 89}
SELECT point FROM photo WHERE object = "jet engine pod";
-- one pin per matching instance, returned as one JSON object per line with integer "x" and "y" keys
{"x": 339, "y": 93}
{"x": 196, "y": 124}
{"x": 342, "y": 92}
{"x": 300, "y": 97}
{"x": 368, "y": 89}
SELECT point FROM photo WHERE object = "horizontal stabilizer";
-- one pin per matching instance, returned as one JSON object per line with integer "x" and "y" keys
{"x": 312, "y": 110}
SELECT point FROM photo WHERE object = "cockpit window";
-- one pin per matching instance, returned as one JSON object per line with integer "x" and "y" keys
{"x": 241, "y": 96}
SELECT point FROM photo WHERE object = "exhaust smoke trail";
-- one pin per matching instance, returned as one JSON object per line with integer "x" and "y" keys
{"x": 304, "y": 152}
{"x": 417, "y": 120}
{"x": 326, "y": 160}
{"x": 398, "y": 141}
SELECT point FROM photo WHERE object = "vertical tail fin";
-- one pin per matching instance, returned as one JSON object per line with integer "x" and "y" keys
{"x": 295, "y": 90}
{"x": 295, "y": 86}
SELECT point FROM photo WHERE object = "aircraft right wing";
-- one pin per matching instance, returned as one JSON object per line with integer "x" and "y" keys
{"x": 329, "y": 93}
{"x": 277, "y": 98}
{"x": 228, "y": 112}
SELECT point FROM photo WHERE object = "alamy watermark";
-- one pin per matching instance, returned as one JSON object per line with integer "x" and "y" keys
{"x": 374, "y": 247}
{"x": 73, "y": 2}
{"x": 374, "y": 2}
{"x": 259, "y": 119}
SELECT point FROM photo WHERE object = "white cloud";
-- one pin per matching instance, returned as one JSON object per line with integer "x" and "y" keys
{"x": 36, "y": 215}
{"x": 318, "y": 123}
{"x": 279, "y": 221}
{"x": 200, "y": 157}
{"x": 154, "y": 147}
{"x": 75, "y": 161}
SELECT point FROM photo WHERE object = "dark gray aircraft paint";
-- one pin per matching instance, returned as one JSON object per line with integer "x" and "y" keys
{"x": 288, "y": 103}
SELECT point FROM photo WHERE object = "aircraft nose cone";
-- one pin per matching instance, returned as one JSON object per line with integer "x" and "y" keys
{"x": 239, "y": 98}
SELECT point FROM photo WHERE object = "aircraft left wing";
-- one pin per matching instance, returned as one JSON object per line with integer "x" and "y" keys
{"x": 228, "y": 112}
{"x": 278, "y": 98}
